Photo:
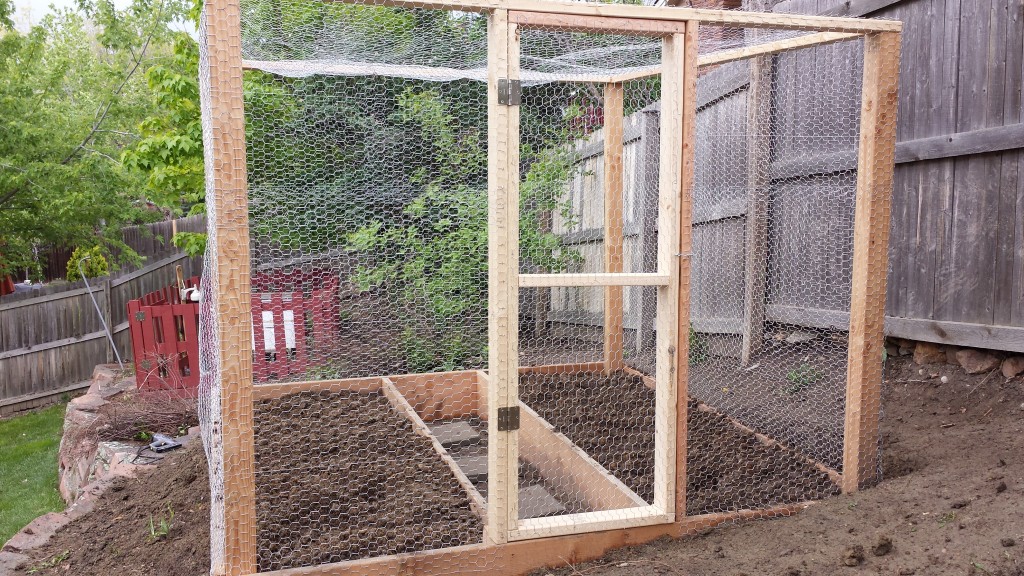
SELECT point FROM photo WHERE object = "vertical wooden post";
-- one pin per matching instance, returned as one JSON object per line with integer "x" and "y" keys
{"x": 502, "y": 277}
{"x": 875, "y": 166}
{"x": 759, "y": 119}
{"x": 678, "y": 120}
{"x": 108, "y": 317}
{"x": 227, "y": 206}
{"x": 613, "y": 224}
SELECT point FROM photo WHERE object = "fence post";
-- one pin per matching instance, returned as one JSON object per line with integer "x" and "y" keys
{"x": 108, "y": 318}
{"x": 227, "y": 206}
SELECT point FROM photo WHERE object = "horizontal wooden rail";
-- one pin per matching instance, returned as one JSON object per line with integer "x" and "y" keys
{"x": 576, "y": 23}
{"x": 53, "y": 344}
{"x": 806, "y": 41}
{"x": 594, "y": 279}
{"x": 589, "y": 522}
{"x": 726, "y": 56}
{"x": 737, "y": 18}
{"x": 525, "y": 556}
{"x": 981, "y": 141}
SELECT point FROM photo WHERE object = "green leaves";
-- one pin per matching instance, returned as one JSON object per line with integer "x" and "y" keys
{"x": 72, "y": 94}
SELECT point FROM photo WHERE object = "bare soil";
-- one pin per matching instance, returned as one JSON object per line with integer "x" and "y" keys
{"x": 115, "y": 538}
{"x": 612, "y": 419}
{"x": 342, "y": 475}
{"x": 952, "y": 503}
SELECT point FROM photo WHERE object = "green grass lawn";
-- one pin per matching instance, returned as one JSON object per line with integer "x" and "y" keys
{"x": 28, "y": 468}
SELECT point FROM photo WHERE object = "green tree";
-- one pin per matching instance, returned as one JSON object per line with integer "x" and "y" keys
{"x": 434, "y": 261}
{"x": 170, "y": 151}
{"x": 71, "y": 95}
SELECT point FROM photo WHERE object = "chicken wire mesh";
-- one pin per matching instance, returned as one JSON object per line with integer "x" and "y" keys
{"x": 367, "y": 182}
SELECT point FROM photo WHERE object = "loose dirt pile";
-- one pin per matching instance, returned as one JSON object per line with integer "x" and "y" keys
{"x": 115, "y": 539}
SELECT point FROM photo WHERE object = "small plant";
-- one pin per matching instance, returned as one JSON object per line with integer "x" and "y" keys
{"x": 158, "y": 530}
{"x": 698, "y": 347}
{"x": 947, "y": 518}
{"x": 51, "y": 562}
{"x": 801, "y": 377}
{"x": 94, "y": 263}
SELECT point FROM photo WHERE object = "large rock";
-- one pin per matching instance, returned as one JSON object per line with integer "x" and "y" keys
{"x": 1013, "y": 366}
{"x": 79, "y": 442}
{"x": 929, "y": 353}
{"x": 976, "y": 361}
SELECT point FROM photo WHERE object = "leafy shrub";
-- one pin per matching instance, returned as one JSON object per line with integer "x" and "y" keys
{"x": 94, "y": 263}
{"x": 435, "y": 259}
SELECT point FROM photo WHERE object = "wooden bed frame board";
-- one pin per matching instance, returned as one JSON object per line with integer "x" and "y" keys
{"x": 398, "y": 401}
{"x": 524, "y": 556}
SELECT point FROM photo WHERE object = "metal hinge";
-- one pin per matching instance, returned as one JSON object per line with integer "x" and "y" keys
{"x": 508, "y": 418}
{"x": 510, "y": 92}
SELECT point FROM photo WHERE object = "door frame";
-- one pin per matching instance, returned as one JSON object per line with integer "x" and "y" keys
{"x": 678, "y": 113}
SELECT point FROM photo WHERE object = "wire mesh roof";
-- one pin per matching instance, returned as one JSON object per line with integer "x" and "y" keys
{"x": 300, "y": 39}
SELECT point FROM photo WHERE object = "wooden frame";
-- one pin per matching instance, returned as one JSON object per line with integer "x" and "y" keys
{"x": 613, "y": 224}
{"x": 734, "y": 18}
{"x": 517, "y": 546}
{"x": 875, "y": 167}
{"x": 228, "y": 202}
{"x": 502, "y": 282}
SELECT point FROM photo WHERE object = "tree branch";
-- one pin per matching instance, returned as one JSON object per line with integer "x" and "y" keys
{"x": 137, "y": 61}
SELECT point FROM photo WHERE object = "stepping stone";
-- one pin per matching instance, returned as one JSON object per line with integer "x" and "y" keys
{"x": 535, "y": 502}
{"x": 455, "y": 434}
{"x": 474, "y": 467}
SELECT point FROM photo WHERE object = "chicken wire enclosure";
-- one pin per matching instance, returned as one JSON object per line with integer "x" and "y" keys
{"x": 486, "y": 281}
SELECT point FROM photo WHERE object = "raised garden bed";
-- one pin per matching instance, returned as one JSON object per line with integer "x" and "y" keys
{"x": 728, "y": 468}
{"x": 343, "y": 475}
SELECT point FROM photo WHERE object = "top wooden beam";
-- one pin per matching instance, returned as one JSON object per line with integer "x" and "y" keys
{"x": 662, "y": 13}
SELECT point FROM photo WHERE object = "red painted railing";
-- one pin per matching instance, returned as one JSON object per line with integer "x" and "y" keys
{"x": 286, "y": 325}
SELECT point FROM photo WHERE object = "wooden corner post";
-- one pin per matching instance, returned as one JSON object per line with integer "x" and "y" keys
{"x": 228, "y": 207}
{"x": 678, "y": 124}
{"x": 502, "y": 273}
{"x": 875, "y": 166}
{"x": 613, "y": 224}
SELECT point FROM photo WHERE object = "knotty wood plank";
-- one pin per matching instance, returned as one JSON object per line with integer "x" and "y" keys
{"x": 870, "y": 257}
{"x": 674, "y": 14}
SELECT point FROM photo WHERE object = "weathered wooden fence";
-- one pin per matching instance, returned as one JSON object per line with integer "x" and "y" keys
{"x": 957, "y": 245}
{"x": 150, "y": 241}
{"x": 50, "y": 343}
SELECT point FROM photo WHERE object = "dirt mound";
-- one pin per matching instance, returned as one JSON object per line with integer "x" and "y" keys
{"x": 116, "y": 539}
